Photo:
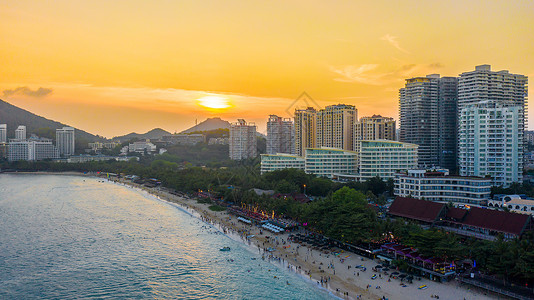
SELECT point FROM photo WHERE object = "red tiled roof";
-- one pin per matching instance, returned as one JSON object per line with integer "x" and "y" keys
{"x": 417, "y": 209}
{"x": 496, "y": 220}
{"x": 456, "y": 213}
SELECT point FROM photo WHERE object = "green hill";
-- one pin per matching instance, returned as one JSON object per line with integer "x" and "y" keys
{"x": 14, "y": 116}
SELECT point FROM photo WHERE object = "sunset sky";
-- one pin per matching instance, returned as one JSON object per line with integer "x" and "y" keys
{"x": 113, "y": 67}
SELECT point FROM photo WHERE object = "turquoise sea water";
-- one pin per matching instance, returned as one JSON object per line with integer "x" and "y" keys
{"x": 67, "y": 237}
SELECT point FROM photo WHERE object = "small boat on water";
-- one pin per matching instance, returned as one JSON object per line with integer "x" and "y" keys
{"x": 225, "y": 249}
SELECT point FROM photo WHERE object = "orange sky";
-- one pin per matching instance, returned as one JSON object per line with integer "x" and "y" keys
{"x": 119, "y": 66}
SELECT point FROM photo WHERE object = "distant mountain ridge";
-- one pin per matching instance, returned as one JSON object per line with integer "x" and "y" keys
{"x": 155, "y": 133}
{"x": 209, "y": 124}
{"x": 14, "y": 116}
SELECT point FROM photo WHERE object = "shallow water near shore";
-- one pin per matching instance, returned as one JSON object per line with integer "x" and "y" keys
{"x": 66, "y": 237}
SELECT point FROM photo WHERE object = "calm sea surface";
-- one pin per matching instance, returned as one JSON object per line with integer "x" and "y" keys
{"x": 67, "y": 237}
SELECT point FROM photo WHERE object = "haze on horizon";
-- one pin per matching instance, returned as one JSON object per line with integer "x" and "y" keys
{"x": 112, "y": 67}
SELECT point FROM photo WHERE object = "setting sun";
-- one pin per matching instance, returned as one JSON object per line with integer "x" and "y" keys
{"x": 214, "y": 102}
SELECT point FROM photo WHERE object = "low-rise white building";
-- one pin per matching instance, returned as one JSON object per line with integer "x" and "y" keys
{"x": 141, "y": 147}
{"x": 329, "y": 162}
{"x": 439, "y": 186}
{"x": 279, "y": 161}
{"x": 31, "y": 150}
{"x": 383, "y": 158}
{"x": 515, "y": 203}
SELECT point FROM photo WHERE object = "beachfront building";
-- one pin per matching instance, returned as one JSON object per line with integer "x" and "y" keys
{"x": 243, "y": 143}
{"x": 3, "y": 133}
{"x": 384, "y": 158}
{"x": 474, "y": 222}
{"x": 279, "y": 161}
{"x": 330, "y": 162}
{"x": 280, "y": 135}
{"x": 439, "y": 186}
{"x": 335, "y": 126}
{"x": 20, "y": 133}
{"x": 491, "y": 142}
{"x": 305, "y": 130}
{"x": 32, "y": 149}
{"x": 65, "y": 141}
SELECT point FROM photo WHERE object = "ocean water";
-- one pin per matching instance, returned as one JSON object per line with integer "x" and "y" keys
{"x": 68, "y": 237}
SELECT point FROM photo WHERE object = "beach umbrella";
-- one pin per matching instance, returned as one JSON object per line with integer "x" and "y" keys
{"x": 378, "y": 266}
{"x": 395, "y": 273}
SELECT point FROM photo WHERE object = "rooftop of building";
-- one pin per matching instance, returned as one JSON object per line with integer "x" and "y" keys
{"x": 497, "y": 220}
{"x": 422, "y": 210}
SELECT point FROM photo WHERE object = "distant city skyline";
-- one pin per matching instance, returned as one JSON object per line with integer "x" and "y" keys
{"x": 93, "y": 65}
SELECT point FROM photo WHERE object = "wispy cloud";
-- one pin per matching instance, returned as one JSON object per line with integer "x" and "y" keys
{"x": 374, "y": 74}
{"x": 393, "y": 41}
{"x": 361, "y": 74}
{"x": 26, "y": 91}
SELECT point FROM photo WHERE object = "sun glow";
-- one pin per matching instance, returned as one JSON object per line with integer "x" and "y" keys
{"x": 214, "y": 102}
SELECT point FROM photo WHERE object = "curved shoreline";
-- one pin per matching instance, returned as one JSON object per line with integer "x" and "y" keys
{"x": 231, "y": 234}
{"x": 311, "y": 265}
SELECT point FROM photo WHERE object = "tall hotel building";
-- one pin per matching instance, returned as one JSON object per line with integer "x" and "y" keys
{"x": 243, "y": 143}
{"x": 280, "y": 135}
{"x": 448, "y": 123}
{"x": 305, "y": 130}
{"x": 419, "y": 117}
{"x": 491, "y": 142}
{"x": 492, "y": 123}
{"x": 3, "y": 133}
{"x": 335, "y": 126}
{"x": 428, "y": 118}
{"x": 65, "y": 141}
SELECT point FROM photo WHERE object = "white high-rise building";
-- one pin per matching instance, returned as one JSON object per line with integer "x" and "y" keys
{"x": 491, "y": 142}
{"x": 65, "y": 141}
{"x": 335, "y": 126}
{"x": 492, "y": 106}
{"x": 20, "y": 133}
{"x": 280, "y": 135}
{"x": 243, "y": 144}
{"x": 3, "y": 133}
{"x": 305, "y": 130}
